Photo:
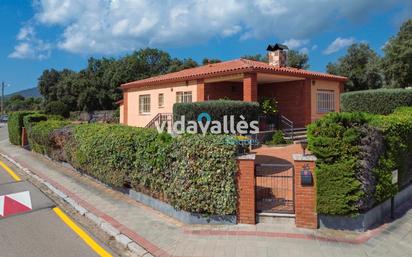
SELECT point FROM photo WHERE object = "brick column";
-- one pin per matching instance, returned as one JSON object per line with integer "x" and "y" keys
{"x": 24, "y": 140}
{"x": 125, "y": 107}
{"x": 305, "y": 196}
{"x": 200, "y": 90}
{"x": 245, "y": 185}
{"x": 250, "y": 87}
{"x": 307, "y": 91}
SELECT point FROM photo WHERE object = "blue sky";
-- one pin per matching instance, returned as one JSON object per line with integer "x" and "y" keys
{"x": 42, "y": 34}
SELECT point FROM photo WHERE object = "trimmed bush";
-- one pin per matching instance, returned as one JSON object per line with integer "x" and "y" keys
{"x": 39, "y": 135}
{"x": 58, "y": 108}
{"x": 31, "y": 119}
{"x": 356, "y": 155}
{"x": 15, "y": 124}
{"x": 278, "y": 138}
{"x": 335, "y": 140}
{"x": 379, "y": 101}
{"x": 217, "y": 109}
{"x": 203, "y": 175}
{"x": 192, "y": 172}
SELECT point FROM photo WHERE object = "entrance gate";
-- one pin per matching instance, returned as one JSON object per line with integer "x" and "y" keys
{"x": 275, "y": 188}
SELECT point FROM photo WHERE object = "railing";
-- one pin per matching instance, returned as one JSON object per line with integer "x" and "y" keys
{"x": 159, "y": 119}
{"x": 287, "y": 125}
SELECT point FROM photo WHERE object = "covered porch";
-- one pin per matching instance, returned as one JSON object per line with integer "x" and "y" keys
{"x": 292, "y": 93}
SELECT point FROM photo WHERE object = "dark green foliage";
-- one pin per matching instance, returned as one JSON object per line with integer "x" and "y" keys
{"x": 298, "y": 59}
{"x": 58, "y": 108}
{"x": 15, "y": 124}
{"x": 361, "y": 150}
{"x": 397, "y": 62}
{"x": 192, "y": 172}
{"x": 278, "y": 138}
{"x": 30, "y": 120}
{"x": 203, "y": 175}
{"x": 335, "y": 141}
{"x": 217, "y": 109}
{"x": 381, "y": 101}
{"x": 19, "y": 103}
{"x": 397, "y": 131}
{"x": 361, "y": 66}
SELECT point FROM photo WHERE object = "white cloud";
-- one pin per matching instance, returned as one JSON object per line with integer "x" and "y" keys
{"x": 113, "y": 26}
{"x": 29, "y": 46}
{"x": 295, "y": 43}
{"x": 338, "y": 44}
{"x": 314, "y": 47}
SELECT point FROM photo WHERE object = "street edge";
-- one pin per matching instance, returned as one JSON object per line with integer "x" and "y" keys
{"x": 121, "y": 238}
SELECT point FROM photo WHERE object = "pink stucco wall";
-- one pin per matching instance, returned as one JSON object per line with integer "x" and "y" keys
{"x": 134, "y": 118}
{"x": 324, "y": 85}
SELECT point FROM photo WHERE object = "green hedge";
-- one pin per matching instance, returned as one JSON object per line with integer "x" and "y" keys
{"x": 39, "y": 135}
{"x": 357, "y": 153}
{"x": 217, "y": 109}
{"x": 15, "y": 124}
{"x": 379, "y": 101}
{"x": 192, "y": 172}
{"x": 31, "y": 119}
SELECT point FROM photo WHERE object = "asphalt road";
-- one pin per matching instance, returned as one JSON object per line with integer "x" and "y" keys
{"x": 38, "y": 232}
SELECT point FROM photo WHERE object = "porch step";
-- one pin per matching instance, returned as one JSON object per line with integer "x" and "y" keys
{"x": 299, "y": 135}
{"x": 276, "y": 218}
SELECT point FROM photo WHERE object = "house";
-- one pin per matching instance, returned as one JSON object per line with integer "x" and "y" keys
{"x": 303, "y": 96}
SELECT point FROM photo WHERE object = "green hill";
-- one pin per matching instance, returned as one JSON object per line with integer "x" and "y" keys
{"x": 31, "y": 92}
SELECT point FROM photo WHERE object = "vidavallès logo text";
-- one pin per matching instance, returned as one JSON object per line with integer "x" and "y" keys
{"x": 204, "y": 124}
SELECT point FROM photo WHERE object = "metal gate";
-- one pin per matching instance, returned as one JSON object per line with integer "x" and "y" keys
{"x": 275, "y": 189}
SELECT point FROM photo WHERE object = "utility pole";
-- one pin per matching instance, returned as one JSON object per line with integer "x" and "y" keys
{"x": 2, "y": 98}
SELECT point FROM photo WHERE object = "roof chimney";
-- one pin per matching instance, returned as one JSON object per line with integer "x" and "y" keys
{"x": 277, "y": 55}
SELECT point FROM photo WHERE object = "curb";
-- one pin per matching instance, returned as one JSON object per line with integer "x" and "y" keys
{"x": 108, "y": 228}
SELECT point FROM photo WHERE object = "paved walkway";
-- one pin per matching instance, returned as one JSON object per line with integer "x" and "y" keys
{"x": 163, "y": 236}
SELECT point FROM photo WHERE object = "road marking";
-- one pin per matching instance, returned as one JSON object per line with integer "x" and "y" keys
{"x": 15, "y": 203}
{"x": 12, "y": 174}
{"x": 81, "y": 233}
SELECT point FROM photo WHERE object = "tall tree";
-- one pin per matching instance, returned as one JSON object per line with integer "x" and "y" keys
{"x": 210, "y": 60}
{"x": 298, "y": 59}
{"x": 397, "y": 62}
{"x": 361, "y": 66}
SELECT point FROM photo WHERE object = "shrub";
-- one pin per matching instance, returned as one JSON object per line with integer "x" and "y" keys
{"x": 361, "y": 150}
{"x": 39, "y": 136}
{"x": 57, "y": 108}
{"x": 278, "y": 138}
{"x": 380, "y": 101}
{"x": 336, "y": 141}
{"x": 15, "y": 124}
{"x": 203, "y": 175}
{"x": 397, "y": 131}
{"x": 31, "y": 119}
{"x": 217, "y": 109}
{"x": 192, "y": 172}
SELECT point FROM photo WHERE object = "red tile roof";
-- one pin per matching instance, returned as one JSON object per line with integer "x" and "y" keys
{"x": 230, "y": 67}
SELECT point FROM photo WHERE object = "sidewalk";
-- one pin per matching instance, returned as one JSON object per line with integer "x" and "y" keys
{"x": 163, "y": 236}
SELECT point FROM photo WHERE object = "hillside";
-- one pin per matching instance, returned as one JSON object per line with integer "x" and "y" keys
{"x": 31, "y": 92}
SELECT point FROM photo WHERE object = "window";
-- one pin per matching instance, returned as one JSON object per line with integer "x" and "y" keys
{"x": 184, "y": 97}
{"x": 325, "y": 101}
{"x": 161, "y": 100}
{"x": 144, "y": 104}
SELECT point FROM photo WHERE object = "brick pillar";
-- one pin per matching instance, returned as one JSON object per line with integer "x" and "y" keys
{"x": 307, "y": 90}
{"x": 24, "y": 141}
{"x": 245, "y": 184}
{"x": 305, "y": 196}
{"x": 200, "y": 90}
{"x": 125, "y": 107}
{"x": 250, "y": 87}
